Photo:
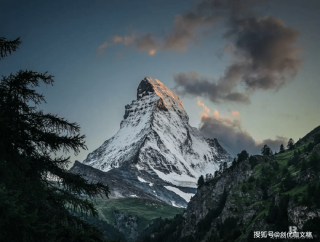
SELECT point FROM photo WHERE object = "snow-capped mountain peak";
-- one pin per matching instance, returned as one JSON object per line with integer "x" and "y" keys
{"x": 156, "y": 142}
{"x": 150, "y": 86}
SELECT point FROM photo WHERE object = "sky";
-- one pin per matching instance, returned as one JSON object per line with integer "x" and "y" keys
{"x": 247, "y": 71}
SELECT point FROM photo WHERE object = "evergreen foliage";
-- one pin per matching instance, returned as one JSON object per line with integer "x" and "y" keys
{"x": 316, "y": 139}
{"x": 234, "y": 163}
{"x": 290, "y": 144}
{"x": 285, "y": 171}
{"x": 265, "y": 194}
{"x": 200, "y": 181}
{"x": 309, "y": 148}
{"x": 315, "y": 161}
{"x": 251, "y": 179}
{"x": 278, "y": 214}
{"x": 275, "y": 166}
{"x": 304, "y": 166}
{"x": 277, "y": 180}
{"x": 253, "y": 161}
{"x": 205, "y": 224}
{"x": 225, "y": 166}
{"x": 32, "y": 206}
{"x": 7, "y": 46}
{"x": 244, "y": 188}
{"x": 243, "y": 156}
{"x": 294, "y": 160}
{"x": 227, "y": 229}
{"x": 168, "y": 230}
{"x": 110, "y": 232}
{"x": 282, "y": 150}
{"x": 214, "y": 237}
{"x": 266, "y": 150}
{"x": 312, "y": 196}
{"x": 251, "y": 237}
{"x": 313, "y": 225}
{"x": 287, "y": 183}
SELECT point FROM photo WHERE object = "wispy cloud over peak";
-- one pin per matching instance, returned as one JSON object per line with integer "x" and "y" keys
{"x": 229, "y": 131}
{"x": 102, "y": 47}
{"x": 126, "y": 40}
{"x": 191, "y": 83}
{"x": 144, "y": 43}
{"x": 235, "y": 113}
{"x": 207, "y": 110}
{"x": 263, "y": 50}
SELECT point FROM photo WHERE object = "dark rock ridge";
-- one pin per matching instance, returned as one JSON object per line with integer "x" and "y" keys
{"x": 124, "y": 183}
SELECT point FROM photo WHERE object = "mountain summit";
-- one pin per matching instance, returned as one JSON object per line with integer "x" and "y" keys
{"x": 156, "y": 143}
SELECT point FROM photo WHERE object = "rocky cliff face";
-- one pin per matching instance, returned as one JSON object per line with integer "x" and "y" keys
{"x": 156, "y": 150}
{"x": 248, "y": 206}
{"x": 207, "y": 198}
{"x": 127, "y": 224}
{"x": 262, "y": 193}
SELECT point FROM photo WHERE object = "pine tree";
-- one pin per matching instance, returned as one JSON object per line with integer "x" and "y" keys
{"x": 216, "y": 173}
{"x": 304, "y": 166}
{"x": 7, "y": 46}
{"x": 244, "y": 188}
{"x": 32, "y": 206}
{"x": 243, "y": 156}
{"x": 282, "y": 148}
{"x": 225, "y": 166}
{"x": 200, "y": 181}
{"x": 234, "y": 163}
{"x": 290, "y": 144}
{"x": 265, "y": 194}
{"x": 253, "y": 161}
{"x": 266, "y": 150}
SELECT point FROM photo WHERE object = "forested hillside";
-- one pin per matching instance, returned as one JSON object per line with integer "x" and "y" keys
{"x": 258, "y": 193}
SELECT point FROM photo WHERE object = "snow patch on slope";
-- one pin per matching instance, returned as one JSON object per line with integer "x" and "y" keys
{"x": 185, "y": 196}
{"x": 174, "y": 205}
{"x": 142, "y": 180}
{"x": 182, "y": 180}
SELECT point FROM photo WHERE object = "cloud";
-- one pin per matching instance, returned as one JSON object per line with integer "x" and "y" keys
{"x": 231, "y": 135}
{"x": 102, "y": 47}
{"x": 126, "y": 40}
{"x": 274, "y": 144}
{"x": 152, "y": 52}
{"x": 193, "y": 84}
{"x": 263, "y": 50}
{"x": 203, "y": 105}
{"x": 238, "y": 97}
{"x": 117, "y": 39}
{"x": 216, "y": 114}
{"x": 184, "y": 30}
{"x": 144, "y": 43}
{"x": 267, "y": 51}
{"x": 235, "y": 113}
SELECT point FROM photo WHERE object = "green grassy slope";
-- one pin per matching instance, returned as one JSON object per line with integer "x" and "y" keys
{"x": 144, "y": 210}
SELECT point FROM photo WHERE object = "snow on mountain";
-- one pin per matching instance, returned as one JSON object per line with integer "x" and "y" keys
{"x": 184, "y": 195}
{"x": 155, "y": 141}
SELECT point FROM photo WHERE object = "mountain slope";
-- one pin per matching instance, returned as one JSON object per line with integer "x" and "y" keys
{"x": 156, "y": 145}
{"x": 155, "y": 136}
{"x": 262, "y": 193}
{"x": 132, "y": 215}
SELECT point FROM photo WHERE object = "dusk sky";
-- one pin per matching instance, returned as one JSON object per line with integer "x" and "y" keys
{"x": 247, "y": 72}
